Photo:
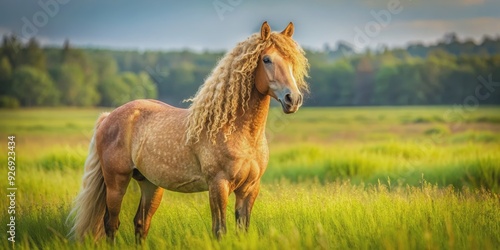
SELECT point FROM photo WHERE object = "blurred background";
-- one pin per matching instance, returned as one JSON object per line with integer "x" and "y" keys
{"x": 397, "y": 145}
{"x": 105, "y": 53}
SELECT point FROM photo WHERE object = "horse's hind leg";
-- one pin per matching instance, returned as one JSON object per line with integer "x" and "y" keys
{"x": 116, "y": 186}
{"x": 150, "y": 200}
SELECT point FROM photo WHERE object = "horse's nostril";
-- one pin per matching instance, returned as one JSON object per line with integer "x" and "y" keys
{"x": 288, "y": 98}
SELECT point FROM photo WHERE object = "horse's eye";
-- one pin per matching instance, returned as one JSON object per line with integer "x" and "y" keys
{"x": 266, "y": 60}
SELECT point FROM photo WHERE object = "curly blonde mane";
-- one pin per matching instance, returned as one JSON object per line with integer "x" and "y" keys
{"x": 229, "y": 86}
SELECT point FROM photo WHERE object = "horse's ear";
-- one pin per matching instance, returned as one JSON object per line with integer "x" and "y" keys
{"x": 288, "y": 31}
{"x": 265, "y": 31}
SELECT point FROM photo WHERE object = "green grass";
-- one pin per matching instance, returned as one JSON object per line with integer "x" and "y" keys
{"x": 287, "y": 215}
{"x": 338, "y": 178}
{"x": 477, "y": 165}
{"x": 44, "y": 121}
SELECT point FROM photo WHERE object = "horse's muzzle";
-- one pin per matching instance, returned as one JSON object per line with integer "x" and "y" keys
{"x": 290, "y": 103}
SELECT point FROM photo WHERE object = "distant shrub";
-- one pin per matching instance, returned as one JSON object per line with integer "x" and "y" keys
{"x": 422, "y": 120}
{"x": 442, "y": 130}
{"x": 9, "y": 102}
{"x": 488, "y": 119}
{"x": 476, "y": 137}
{"x": 438, "y": 118}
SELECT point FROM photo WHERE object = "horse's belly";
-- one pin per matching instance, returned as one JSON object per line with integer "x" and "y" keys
{"x": 188, "y": 185}
{"x": 185, "y": 178}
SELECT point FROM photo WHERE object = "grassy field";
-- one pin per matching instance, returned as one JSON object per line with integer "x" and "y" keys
{"x": 338, "y": 178}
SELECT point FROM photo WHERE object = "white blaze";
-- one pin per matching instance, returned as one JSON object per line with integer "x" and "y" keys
{"x": 296, "y": 88}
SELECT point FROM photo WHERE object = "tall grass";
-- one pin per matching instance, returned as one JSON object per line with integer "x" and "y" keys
{"x": 458, "y": 165}
{"x": 343, "y": 178}
{"x": 287, "y": 215}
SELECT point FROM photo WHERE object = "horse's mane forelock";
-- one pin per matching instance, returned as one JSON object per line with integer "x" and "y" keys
{"x": 229, "y": 86}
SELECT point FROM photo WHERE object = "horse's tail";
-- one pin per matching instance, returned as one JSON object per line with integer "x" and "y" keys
{"x": 89, "y": 207}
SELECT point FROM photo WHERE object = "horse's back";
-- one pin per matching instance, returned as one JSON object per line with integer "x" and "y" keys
{"x": 151, "y": 135}
{"x": 120, "y": 123}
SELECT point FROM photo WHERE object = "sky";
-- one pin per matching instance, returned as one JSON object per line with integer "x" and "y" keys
{"x": 220, "y": 24}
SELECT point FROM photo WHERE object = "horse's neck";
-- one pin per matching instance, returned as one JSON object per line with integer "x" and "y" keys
{"x": 253, "y": 120}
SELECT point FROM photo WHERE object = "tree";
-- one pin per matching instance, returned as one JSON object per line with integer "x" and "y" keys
{"x": 77, "y": 77}
{"x": 8, "y": 102}
{"x": 69, "y": 78}
{"x": 179, "y": 84}
{"x": 321, "y": 89}
{"x": 105, "y": 66}
{"x": 343, "y": 77}
{"x": 117, "y": 90}
{"x": 332, "y": 84}
{"x": 433, "y": 72}
{"x": 71, "y": 81}
{"x": 114, "y": 91}
{"x": 6, "y": 98}
{"x": 66, "y": 50}
{"x": 364, "y": 82}
{"x": 140, "y": 85}
{"x": 32, "y": 55}
{"x": 387, "y": 83}
{"x": 33, "y": 87}
{"x": 11, "y": 48}
{"x": 136, "y": 90}
{"x": 5, "y": 76}
{"x": 150, "y": 90}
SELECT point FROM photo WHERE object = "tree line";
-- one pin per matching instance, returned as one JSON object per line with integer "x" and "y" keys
{"x": 447, "y": 72}
{"x": 33, "y": 76}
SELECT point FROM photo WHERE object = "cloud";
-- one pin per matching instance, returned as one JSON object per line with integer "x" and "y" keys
{"x": 458, "y": 2}
{"x": 428, "y": 31}
{"x": 471, "y": 25}
{"x": 471, "y": 2}
{"x": 5, "y": 31}
{"x": 435, "y": 3}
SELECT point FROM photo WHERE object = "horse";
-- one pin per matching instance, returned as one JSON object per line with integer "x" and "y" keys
{"x": 217, "y": 144}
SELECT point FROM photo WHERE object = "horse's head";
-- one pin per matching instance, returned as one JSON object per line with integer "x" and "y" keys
{"x": 274, "y": 73}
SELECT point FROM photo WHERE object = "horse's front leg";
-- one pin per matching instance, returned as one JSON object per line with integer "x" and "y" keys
{"x": 218, "y": 193}
{"x": 245, "y": 197}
